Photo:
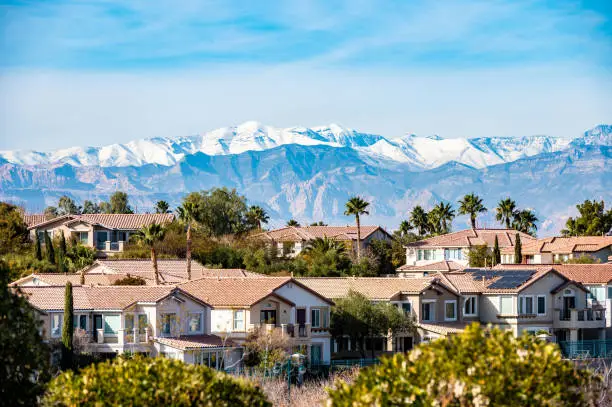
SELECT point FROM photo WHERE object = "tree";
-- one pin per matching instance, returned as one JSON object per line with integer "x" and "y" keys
{"x": 325, "y": 257}
{"x": 293, "y": 223}
{"x": 525, "y": 221}
{"x": 149, "y": 236}
{"x": 119, "y": 203}
{"x": 153, "y": 382}
{"x": 356, "y": 207}
{"x": 68, "y": 328}
{"x": 319, "y": 223}
{"x": 420, "y": 220}
{"x": 496, "y": 252}
{"x": 24, "y": 356}
{"x": 440, "y": 218}
{"x": 13, "y": 230}
{"x": 220, "y": 211}
{"x": 505, "y": 211}
{"x": 471, "y": 204}
{"x": 51, "y": 212}
{"x": 478, "y": 367}
{"x": 382, "y": 252}
{"x": 404, "y": 228}
{"x": 67, "y": 206}
{"x": 49, "y": 248}
{"x": 256, "y": 215}
{"x": 518, "y": 255}
{"x": 90, "y": 207}
{"x": 187, "y": 213}
{"x": 480, "y": 256}
{"x": 105, "y": 207}
{"x": 130, "y": 280}
{"x": 37, "y": 248}
{"x": 583, "y": 259}
{"x": 593, "y": 220}
{"x": 162, "y": 207}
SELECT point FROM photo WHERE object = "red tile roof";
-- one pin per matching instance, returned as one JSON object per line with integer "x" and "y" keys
{"x": 117, "y": 221}
{"x": 586, "y": 273}
{"x": 564, "y": 245}
{"x": 306, "y": 233}
{"x": 34, "y": 218}
{"x": 472, "y": 237}
{"x": 466, "y": 282}
{"x": 444, "y": 328}
{"x": 443, "y": 266}
{"x": 196, "y": 342}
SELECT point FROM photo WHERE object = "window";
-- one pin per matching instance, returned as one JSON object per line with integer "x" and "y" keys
{"x": 598, "y": 293}
{"x": 450, "y": 310}
{"x": 506, "y": 304}
{"x": 112, "y": 324}
{"x": 541, "y": 304}
{"x": 453, "y": 254}
{"x": 239, "y": 320}
{"x": 194, "y": 322}
{"x": 428, "y": 314}
{"x": 83, "y": 237}
{"x": 56, "y": 324}
{"x": 526, "y": 305}
{"x": 267, "y": 317}
{"x": 129, "y": 322}
{"x": 406, "y": 307}
{"x": 83, "y": 322}
{"x": 470, "y": 306}
{"x": 315, "y": 318}
{"x": 428, "y": 254}
{"x": 610, "y": 291}
{"x": 142, "y": 322}
{"x": 419, "y": 254}
{"x": 167, "y": 322}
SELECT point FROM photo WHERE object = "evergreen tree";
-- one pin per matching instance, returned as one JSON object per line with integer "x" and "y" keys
{"x": 61, "y": 262}
{"x": 62, "y": 244}
{"x": 471, "y": 205}
{"x": 518, "y": 256}
{"x": 38, "y": 248}
{"x": 496, "y": 252}
{"x": 68, "y": 328}
{"x": 49, "y": 248}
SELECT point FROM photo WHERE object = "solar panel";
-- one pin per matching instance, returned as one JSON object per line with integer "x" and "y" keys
{"x": 504, "y": 279}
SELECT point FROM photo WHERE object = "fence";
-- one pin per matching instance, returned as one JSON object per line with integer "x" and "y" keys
{"x": 597, "y": 348}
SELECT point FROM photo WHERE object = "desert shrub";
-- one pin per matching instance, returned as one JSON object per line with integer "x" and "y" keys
{"x": 130, "y": 280}
{"x": 477, "y": 367}
{"x": 141, "y": 381}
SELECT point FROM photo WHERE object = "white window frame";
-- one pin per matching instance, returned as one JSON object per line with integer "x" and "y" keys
{"x": 501, "y": 311}
{"x": 474, "y": 299}
{"x": 432, "y": 312}
{"x": 234, "y": 319}
{"x": 172, "y": 323}
{"x": 201, "y": 315}
{"x": 104, "y": 316}
{"x": 454, "y": 302}
{"x": 312, "y": 320}
{"x": 60, "y": 323}
{"x": 522, "y": 305}
{"x": 537, "y": 306}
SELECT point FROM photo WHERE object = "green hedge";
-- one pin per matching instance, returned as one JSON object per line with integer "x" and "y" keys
{"x": 477, "y": 367}
{"x": 150, "y": 382}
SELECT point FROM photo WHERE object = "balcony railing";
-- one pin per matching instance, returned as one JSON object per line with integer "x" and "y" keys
{"x": 580, "y": 318}
{"x": 301, "y": 331}
{"x": 124, "y": 336}
{"x": 110, "y": 246}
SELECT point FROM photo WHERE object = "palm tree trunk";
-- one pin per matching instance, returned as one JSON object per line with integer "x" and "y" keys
{"x": 189, "y": 251}
{"x": 508, "y": 222}
{"x": 358, "y": 237}
{"x": 154, "y": 261}
{"x": 473, "y": 219}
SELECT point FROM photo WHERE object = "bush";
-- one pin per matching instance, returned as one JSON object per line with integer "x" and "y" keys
{"x": 130, "y": 280}
{"x": 151, "y": 382}
{"x": 477, "y": 367}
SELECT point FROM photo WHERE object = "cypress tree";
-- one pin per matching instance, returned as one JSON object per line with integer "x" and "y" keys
{"x": 62, "y": 244}
{"x": 68, "y": 328}
{"x": 38, "y": 248}
{"x": 496, "y": 252}
{"x": 49, "y": 248}
{"x": 518, "y": 255}
{"x": 61, "y": 254}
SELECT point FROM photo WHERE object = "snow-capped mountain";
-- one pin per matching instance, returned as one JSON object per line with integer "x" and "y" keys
{"x": 419, "y": 153}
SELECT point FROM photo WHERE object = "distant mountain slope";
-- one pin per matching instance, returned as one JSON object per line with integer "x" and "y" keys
{"x": 418, "y": 153}
{"x": 313, "y": 182}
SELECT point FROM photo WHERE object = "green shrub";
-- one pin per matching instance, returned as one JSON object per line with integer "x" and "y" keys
{"x": 477, "y": 367}
{"x": 130, "y": 280}
{"x": 151, "y": 382}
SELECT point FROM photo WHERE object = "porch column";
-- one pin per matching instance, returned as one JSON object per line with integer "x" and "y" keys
{"x": 573, "y": 335}
{"x": 390, "y": 341}
{"x": 107, "y": 245}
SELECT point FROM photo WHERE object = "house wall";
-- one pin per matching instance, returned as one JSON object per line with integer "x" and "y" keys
{"x": 437, "y": 256}
{"x": 181, "y": 309}
{"x": 283, "y": 311}
{"x": 417, "y": 304}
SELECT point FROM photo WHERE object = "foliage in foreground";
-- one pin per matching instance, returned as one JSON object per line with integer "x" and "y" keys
{"x": 151, "y": 382}
{"x": 477, "y": 367}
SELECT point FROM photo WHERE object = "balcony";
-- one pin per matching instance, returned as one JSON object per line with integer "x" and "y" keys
{"x": 579, "y": 318}
{"x": 110, "y": 246}
{"x": 300, "y": 331}
{"x": 123, "y": 337}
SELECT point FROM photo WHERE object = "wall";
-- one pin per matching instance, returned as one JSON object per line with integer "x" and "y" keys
{"x": 431, "y": 294}
{"x": 181, "y": 309}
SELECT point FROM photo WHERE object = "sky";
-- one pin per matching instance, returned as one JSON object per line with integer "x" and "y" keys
{"x": 100, "y": 72}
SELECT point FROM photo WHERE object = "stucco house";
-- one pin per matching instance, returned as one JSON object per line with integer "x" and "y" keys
{"x": 291, "y": 240}
{"x": 105, "y": 232}
{"x": 455, "y": 246}
{"x": 444, "y": 266}
{"x": 553, "y": 250}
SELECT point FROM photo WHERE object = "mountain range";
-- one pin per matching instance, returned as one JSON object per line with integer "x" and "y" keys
{"x": 308, "y": 173}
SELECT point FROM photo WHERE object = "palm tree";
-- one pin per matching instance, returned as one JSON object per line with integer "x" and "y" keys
{"x": 187, "y": 214}
{"x": 257, "y": 215}
{"x": 471, "y": 204}
{"x": 162, "y": 207}
{"x": 418, "y": 218}
{"x": 525, "y": 221}
{"x": 357, "y": 207}
{"x": 149, "y": 236}
{"x": 324, "y": 245}
{"x": 440, "y": 217}
{"x": 505, "y": 211}
{"x": 405, "y": 227}
{"x": 293, "y": 223}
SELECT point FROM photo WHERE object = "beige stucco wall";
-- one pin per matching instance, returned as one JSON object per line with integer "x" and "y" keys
{"x": 430, "y": 294}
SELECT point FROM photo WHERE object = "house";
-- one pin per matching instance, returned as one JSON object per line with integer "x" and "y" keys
{"x": 138, "y": 319}
{"x": 444, "y": 266}
{"x": 291, "y": 240}
{"x": 105, "y": 232}
{"x": 281, "y": 304}
{"x": 561, "y": 249}
{"x": 455, "y": 246}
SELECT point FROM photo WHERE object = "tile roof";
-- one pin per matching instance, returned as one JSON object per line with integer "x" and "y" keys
{"x": 375, "y": 288}
{"x": 239, "y": 292}
{"x": 34, "y": 218}
{"x": 305, "y": 233}
{"x": 50, "y": 298}
{"x": 444, "y": 328}
{"x": 131, "y": 221}
{"x": 586, "y": 273}
{"x": 564, "y": 245}
{"x": 195, "y": 342}
{"x": 443, "y": 266}
{"x": 466, "y": 282}
{"x": 471, "y": 237}
{"x": 74, "y": 278}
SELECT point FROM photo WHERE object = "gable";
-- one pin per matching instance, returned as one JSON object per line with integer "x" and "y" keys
{"x": 300, "y": 295}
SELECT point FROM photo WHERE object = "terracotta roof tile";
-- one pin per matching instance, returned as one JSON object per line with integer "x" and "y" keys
{"x": 63, "y": 278}
{"x": 466, "y": 282}
{"x": 305, "y": 233}
{"x": 444, "y": 328}
{"x": 243, "y": 292}
{"x": 565, "y": 245}
{"x": 131, "y": 221}
{"x": 195, "y": 342}
{"x": 34, "y": 218}
{"x": 586, "y": 273}
{"x": 444, "y": 266}
{"x": 472, "y": 237}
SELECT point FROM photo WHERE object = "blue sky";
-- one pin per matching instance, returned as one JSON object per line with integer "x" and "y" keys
{"x": 97, "y": 72}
